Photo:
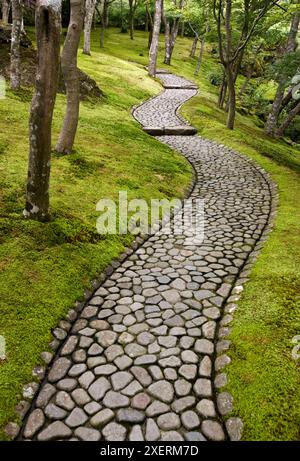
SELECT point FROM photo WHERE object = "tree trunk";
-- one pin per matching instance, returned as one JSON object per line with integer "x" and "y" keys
{"x": 106, "y": 14}
{"x": 131, "y": 18}
{"x": 90, "y": 6}
{"x": 48, "y": 30}
{"x": 199, "y": 60}
{"x": 291, "y": 46}
{"x": 167, "y": 59}
{"x": 103, "y": 22}
{"x": 231, "y": 97}
{"x": 182, "y": 29}
{"x": 6, "y": 4}
{"x": 194, "y": 47}
{"x": 15, "y": 58}
{"x": 222, "y": 93}
{"x": 172, "y": 38}
{"x": 155, "y": 38}
{"x": 146, "y": 19}
{"x": 246, "y": 82}
{"x": 71, "y": 78}
{"x": 287, "y": 121}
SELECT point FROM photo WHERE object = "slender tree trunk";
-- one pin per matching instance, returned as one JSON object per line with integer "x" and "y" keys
{"x": 231, "y": 98}
{"x": 167, "y": 59}
{"x": 106, "y": 14}
{"x": 155, "y": 38}
{"x": 246, "y": 82}
{"x": 103, "y": 23}
{"x": 199, "y": 60}
{"x": 131, "y": 18}
{"x": 90, "y": 6}
{"x": 291, "y": 46}
{"x": 6, "y": 4}
{"x": 194, "y": 47}
{"x": 71, "y": 77}
{"x": 146, "y": 19}
{"x": 48, "y": 30}
{"x": 222, "y": 92}
{"x": 182, "y": 29}
{"x": 15, "y": 57}
{"x": 170, "y": 38}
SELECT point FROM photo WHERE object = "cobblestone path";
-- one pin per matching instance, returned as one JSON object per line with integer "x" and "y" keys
{"x": 144, "y": 359}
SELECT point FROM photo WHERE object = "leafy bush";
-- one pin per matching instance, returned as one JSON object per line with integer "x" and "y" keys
{"x": 215, "y": 78}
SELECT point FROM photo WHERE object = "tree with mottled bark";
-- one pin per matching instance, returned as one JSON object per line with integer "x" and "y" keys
{"x": 90, "y": 6}
{"x": 149, "y": 23}
{"x": 103, "y": 14}
{"x": 133, "y": 4}
{"x": 290, "y": 47}
{"x": 155, "y": 38}
{"x": 48, "y": 33}
{"x": 171, "y": 19}
{"x": 230, "y": 55}
{"x": 194, "y": 46}
{"x": 15, "y": 57}
{"x": 6, "y": 5}
{"x": 71, "y": 77}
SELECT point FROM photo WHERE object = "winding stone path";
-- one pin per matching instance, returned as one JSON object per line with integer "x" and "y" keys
{"x": 140, "y": 362}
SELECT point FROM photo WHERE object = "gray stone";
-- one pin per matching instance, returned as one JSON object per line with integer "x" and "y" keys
{"x": 87, "y": 434}
{"x": 190, "y": 420}
{"x": 45, "y": 395}
{"x": 234, "y": 428}
{"x": 141, "y": 375}
{"x": 105, "y": 370}
{"x": 206, "y": 408}
{"x": 157, "y": 408}
{"x": 136, "y": 434}
{"x": 67, "y": 384}
{"x": 205, "y": 366}
{"x": 162, "y": 390}
{"x": 204, "y": 346}
{"x": 114, "y": 432}
{"x": 55, "y": 431}
{"x": 35, "y": 421}
{"x": 92, "y": 407}
{"x": 76, "y": 418}
{"x": 86, "y": 379}
{"x": 182, "y": 404}
{"x": 152, "y": 430}
{"x": 182, "y": 387}
{"x": 54, "y": 412}
{"x": 225, "y": 403}
{"x": 188, "y": 371}
{"x": 81, "y": 397}
{"x": 168, "y": 421}
{"x": 102, "y": 417}
{"x": 112, "y": 352}
{"x": 59, "y": 369}
{"x": 130, "y": 415}
{"x": 171, "y": 436}
{"x": 212, "y": 430}
{"x": 121, "y": 379}
{"x": 115, "y": 400}
{"x": 202, "y": 387}
{"x": 194, "y": 437}
{"x": 106, "y": 338}
{"x": 98, "y": 389}
{"x": 70, "y": 345}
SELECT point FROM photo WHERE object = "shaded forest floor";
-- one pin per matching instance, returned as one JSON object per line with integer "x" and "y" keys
{"x": 44, "y": 268}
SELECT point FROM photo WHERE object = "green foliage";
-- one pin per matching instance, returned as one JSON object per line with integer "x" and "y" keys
{"x": 215, "y": 78}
